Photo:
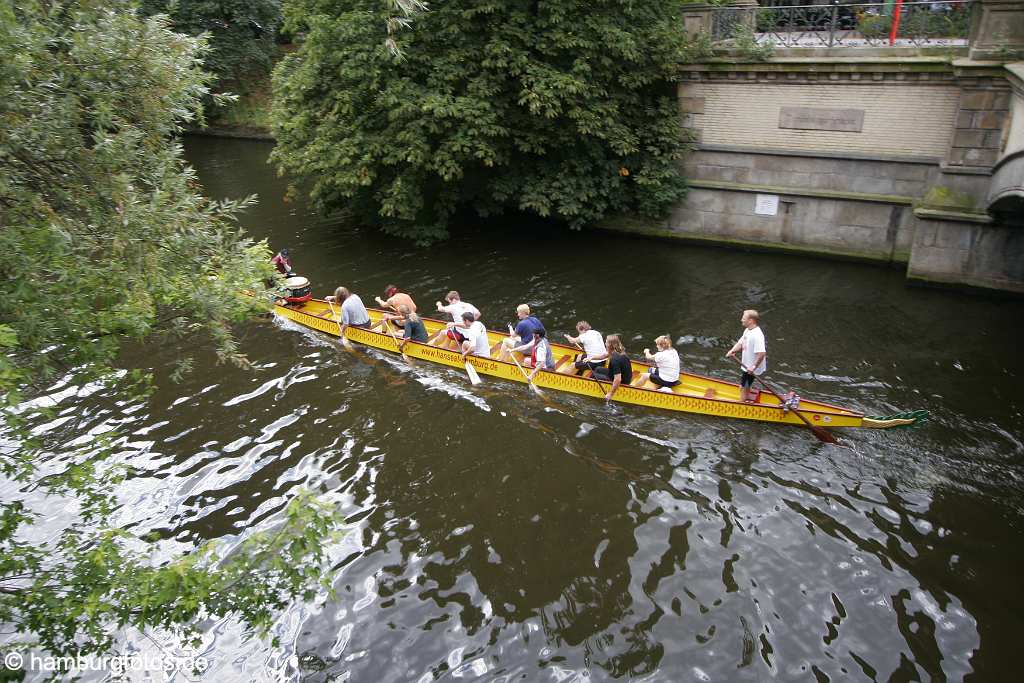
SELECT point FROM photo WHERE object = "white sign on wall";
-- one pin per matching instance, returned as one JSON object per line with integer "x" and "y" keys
{"x": 766, "y": 205}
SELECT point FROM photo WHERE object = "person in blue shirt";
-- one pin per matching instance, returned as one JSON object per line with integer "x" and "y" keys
{"x": 522, "y": 339}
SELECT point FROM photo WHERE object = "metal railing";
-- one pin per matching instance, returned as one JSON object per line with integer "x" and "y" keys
{"x": 851, "y": 25}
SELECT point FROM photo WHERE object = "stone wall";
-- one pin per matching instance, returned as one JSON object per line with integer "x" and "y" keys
{"x": 899, "y": 117}
{"x": 855, "y": 208}
{"x": 886, "y": 158}
{"x": 900, "y": 155}
{"x": 850, "y": 228}
{"x": 967, "y": 253}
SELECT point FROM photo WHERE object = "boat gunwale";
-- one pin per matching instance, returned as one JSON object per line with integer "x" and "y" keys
{"x": 841, "y": 412}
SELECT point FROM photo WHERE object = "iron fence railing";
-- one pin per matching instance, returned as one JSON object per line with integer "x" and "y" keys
{"x": 846, "y": 24}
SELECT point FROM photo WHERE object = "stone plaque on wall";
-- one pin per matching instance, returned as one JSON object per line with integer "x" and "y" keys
{"x": 814, "y": 118}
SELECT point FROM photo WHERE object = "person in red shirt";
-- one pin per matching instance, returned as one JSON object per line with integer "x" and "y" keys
{"x": 283, "y": 263}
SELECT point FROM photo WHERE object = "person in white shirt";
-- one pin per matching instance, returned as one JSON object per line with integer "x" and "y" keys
{"x": 666, "y": 371}
{"x": 474, "y": 336}
{"x": 755, "y": 352}
{"x": 594, "y": 352}
{"x": 540, "y": 353}
{"x": 456, "y": 307}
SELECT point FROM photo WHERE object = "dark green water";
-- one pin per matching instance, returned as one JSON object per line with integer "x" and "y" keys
{"x": 495, "y": 536}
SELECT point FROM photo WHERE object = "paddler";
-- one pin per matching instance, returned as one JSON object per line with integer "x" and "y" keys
{"x": 414, "y": 329}
{"x": 540, "y": 353}
{"x": 665, "y": 372}
{"x": 755, "y": 351}
{"x": 456, "y": 307}
{"x": 353, "y": 312}
{"x": 392, "y": 301}
{"x": 619, "y": 368}
{"x": 594, "y": 353}
{"x": 473, "y": 335}
{"x": 522, "y": 339}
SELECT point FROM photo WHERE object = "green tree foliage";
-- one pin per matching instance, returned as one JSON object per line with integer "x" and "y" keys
{"x": 104, "y": 237}
{"x": 562, "y": 108}
{"x": 242, "y": 33}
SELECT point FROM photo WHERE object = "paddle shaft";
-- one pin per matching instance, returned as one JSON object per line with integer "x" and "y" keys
{"x": 387, "y": 326}
{"x": 820, "y": 432}
{"x": 529, "y": 381}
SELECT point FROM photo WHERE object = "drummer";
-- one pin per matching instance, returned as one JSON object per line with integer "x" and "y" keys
{"x": 283, "y": 263}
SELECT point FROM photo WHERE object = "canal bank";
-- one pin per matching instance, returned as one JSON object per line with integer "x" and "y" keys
{"x": 841, "y": 145}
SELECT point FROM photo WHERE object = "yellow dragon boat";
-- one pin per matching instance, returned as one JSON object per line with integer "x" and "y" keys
{"x": 694, "y": 394}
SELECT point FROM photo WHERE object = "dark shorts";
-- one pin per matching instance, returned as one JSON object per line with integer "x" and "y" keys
{"x": 746, "y": 380}
{"x": 659, "y": 381}
{"x": 363, "y": 325}
{"x": 456, "y": 335}
{"x": 583, "y": 365}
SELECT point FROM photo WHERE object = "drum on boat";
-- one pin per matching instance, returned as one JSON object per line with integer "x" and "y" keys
{"x": 298, "y": 290}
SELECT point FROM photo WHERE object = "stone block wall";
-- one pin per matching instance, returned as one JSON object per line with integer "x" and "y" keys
{"x": 967, "y": 253}
{"x": 978, "y": 134}
{"x": 755, "y": 166}
{"x": 849, "y": 228}
{"x": 908, "y": 117}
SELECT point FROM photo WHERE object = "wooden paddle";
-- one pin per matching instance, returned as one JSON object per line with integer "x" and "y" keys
{"x": 529, "y": 381}
{"x": 341, "y": 333}
{"x": 387, "y": 326}
{"x": 474, "y": 377}
{"x": 823, "y": 434}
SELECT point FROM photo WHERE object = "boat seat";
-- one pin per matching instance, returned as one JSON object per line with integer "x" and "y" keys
{"x": 494, "y": 349}
{"x": 560, "y": 363}
{"x": 710, "y": 393}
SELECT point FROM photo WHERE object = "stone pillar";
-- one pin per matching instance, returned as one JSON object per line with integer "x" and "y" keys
{"x": 700, "y": 17}
{"x": 982, "y": 113}
{"x": 997, "y": 30}
{"x": 697, "y": 18}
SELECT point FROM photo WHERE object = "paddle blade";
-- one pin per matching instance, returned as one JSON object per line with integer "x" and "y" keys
{"x": 823, "y": 434}
{"x": 536, "y": 389}
{"x": 471, "y": 371}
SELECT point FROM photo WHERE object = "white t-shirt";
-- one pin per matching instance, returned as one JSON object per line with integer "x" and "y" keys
{"x": 460, "y": 307}
{"x": 668, "y": 364}
{"x": 544, "y": 358}
{"x": 753, "y": 344}
{"x": 477, "y": 334}
{"x": 593, "y": 343}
